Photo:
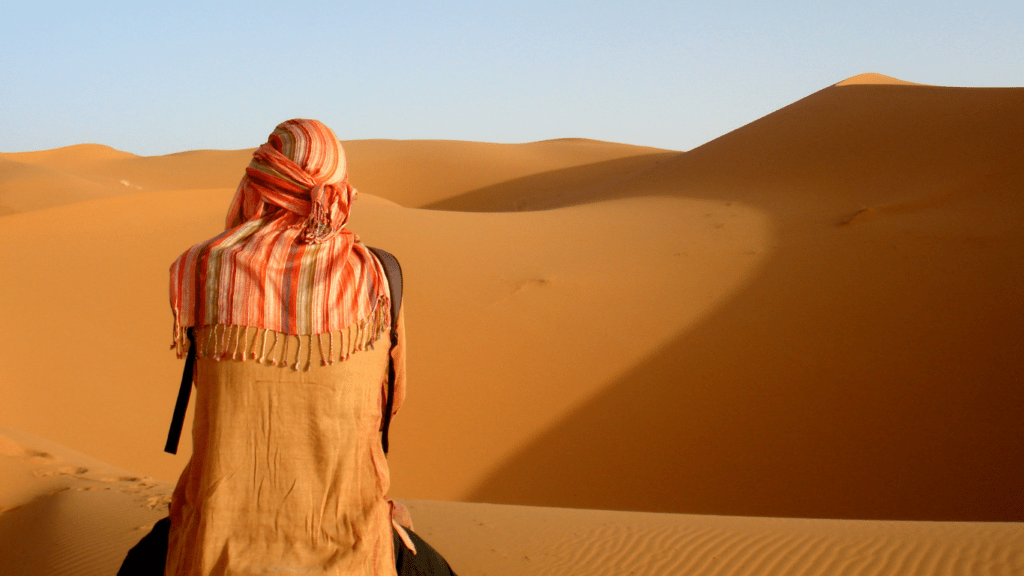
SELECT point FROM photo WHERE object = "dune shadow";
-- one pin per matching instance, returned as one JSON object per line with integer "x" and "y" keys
{"x": 28, "y": 536}
{"x": 759, "y": 416}
{"x": 554, "y": 188}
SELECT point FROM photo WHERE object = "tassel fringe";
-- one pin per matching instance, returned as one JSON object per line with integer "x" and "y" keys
{"x": 222, "y": 341}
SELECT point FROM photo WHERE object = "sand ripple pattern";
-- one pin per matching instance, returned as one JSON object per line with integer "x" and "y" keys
{"x": 63, "y": 514}
{"x": 561, "y": 542}
{"x": 793, "y": 547}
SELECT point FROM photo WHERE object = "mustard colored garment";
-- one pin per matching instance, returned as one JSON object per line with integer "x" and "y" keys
{"x": 287, "y": 474}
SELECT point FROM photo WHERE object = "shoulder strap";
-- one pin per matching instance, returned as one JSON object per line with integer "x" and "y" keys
{"x": 184, "y": 392}
{"x": 393, "y": 270}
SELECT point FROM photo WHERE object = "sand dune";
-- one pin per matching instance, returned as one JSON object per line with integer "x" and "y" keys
{"x": 26, "y": 186}
{"x": 78, "y": 517}
{"x": 78, "y": 157}
{"x": 870, "y": 369}
{"x": 814, "y": 316}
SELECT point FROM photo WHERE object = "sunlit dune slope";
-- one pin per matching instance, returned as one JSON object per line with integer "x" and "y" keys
{"x": 875, "y": 78}
{"x": 34, "y": 180}
{"x": 85, "y": 157}
{"x": 25, "y": 187}
{"x": 872, "y": 368}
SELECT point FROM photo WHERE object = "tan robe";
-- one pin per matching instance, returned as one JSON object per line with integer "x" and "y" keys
{"x": 287, "y": 474}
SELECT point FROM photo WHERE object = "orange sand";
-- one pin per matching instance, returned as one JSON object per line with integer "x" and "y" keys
{"x": 817, "y": 315}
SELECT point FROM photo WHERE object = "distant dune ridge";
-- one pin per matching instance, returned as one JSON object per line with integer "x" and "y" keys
{"x": 817, "y": 316}
{"x": 430, "y": 170}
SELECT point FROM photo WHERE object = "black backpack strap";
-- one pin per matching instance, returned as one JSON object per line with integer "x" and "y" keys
{"x": 393, "y": 270}
{"x": 178, "y": 419}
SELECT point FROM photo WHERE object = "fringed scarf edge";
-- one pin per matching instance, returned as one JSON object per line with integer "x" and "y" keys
{"x": 233, "y": 342}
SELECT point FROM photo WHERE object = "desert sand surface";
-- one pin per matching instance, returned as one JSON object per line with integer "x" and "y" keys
{"x": 64, "y": 513}
{"x": 816, "y": 316}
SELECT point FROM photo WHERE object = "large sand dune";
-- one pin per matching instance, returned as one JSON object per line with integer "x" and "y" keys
{"x": 873, "y": 366}
{"x": 817, "y": 315}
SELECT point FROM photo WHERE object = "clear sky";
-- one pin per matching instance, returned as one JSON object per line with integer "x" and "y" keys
{"x": 161, "y": 77}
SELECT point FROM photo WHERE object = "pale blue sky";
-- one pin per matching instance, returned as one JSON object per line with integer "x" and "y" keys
{"x": 155, "y": 78}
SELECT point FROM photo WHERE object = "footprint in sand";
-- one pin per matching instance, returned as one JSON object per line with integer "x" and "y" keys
{"x": 73, "y": 470}
{"x": 151, "y": 493}
{"x": 161, "y": 502}
{"x": 119, "y": 479}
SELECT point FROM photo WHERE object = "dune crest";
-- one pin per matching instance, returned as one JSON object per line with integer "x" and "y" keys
{"x": 875, "y": 78}
{"x": 74, "y": 156}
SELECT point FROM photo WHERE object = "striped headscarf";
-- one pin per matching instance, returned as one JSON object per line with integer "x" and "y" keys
{"x": 285, "y": 264}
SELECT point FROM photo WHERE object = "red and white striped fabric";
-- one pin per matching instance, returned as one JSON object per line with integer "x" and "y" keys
{"x": 286, "y": 264}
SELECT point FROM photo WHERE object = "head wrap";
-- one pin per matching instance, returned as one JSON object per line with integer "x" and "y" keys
{"x": 285, "y": 264}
